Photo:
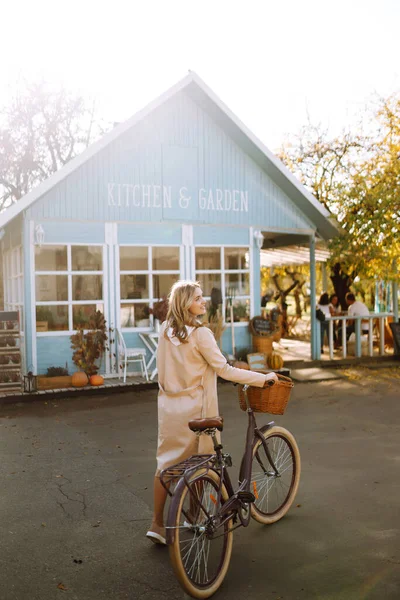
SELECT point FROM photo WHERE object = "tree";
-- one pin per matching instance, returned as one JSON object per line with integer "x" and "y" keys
{"x": 369, "y": 207}
{"x": 357, "y": 177}
{"x": 322, "y": 165}
{"x": 40, "y": 131}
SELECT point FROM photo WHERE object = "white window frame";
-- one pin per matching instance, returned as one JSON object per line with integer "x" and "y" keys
{"x": 70, "y": 303}
{"x": 13, "y": 281}
{"x": 149, "y": 272}
{"x": 223, "y": 271}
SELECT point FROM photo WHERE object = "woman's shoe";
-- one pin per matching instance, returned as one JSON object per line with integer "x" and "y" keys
{"x": 157, "y": 535}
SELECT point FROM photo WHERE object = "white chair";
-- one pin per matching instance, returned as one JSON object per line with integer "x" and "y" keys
{"x": 126, "y": 355}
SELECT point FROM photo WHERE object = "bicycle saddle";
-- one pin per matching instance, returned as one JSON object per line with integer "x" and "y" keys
{"x": 203, "y": 424}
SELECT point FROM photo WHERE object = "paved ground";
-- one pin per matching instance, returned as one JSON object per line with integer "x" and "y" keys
{"x": 76, "y": 496}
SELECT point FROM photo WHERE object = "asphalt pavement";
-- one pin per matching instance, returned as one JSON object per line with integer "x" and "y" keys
{"x": 77, "y": 493}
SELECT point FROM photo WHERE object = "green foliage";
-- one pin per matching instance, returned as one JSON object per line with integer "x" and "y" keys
{"x": 357, "y": 177}
{"x": 89, "y": 347}
{"x": 43, "y": 313}
{"x": 56, "y": 372}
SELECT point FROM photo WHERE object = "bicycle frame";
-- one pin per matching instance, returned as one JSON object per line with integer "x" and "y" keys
{"x": 237, "y": 499}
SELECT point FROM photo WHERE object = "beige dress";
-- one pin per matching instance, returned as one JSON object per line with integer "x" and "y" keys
{"x": 187, "y": 376}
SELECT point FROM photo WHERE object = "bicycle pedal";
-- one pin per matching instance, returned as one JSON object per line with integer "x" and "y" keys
{"x": 246, "y": 496}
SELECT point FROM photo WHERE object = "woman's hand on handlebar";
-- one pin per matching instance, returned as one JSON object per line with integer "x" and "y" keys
{"x": 270, "y": 379}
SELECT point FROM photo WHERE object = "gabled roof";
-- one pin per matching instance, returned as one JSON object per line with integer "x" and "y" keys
{"x": 195, "y": 87}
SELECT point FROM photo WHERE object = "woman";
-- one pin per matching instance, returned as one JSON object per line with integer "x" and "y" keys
{"x": 188, "y": 362}
{"x": 335, "y": 310}
{"x": 323, "y": 305}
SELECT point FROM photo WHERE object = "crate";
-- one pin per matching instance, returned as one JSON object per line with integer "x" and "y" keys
{"x": 10, "y": 352}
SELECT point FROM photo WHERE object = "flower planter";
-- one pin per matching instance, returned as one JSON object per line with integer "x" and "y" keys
{"x": 52, "y": 383}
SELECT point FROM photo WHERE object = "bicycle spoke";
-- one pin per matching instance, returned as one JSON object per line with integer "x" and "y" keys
{"x": 201, "y": 553}
{"x": 273, "y": 489}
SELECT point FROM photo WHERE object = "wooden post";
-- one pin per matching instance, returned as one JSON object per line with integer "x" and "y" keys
{"x": 315, "y": 326}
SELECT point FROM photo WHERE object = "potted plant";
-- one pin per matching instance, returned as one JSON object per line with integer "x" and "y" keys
{"x": 240, "y": 312}
{"x": 56, "y": 377}
{"x": 89, "y": 347}
{"x": 142, "y": 316}
{"x": 215, "y": 321}
{"x": 44, "y": 318}
{"x": 159, "y": 312}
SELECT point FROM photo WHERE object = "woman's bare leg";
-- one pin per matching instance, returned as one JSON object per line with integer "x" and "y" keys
{"x": 160, "y": 497}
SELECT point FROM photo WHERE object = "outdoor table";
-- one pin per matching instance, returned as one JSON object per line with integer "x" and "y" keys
{"x": 150, "y": 340}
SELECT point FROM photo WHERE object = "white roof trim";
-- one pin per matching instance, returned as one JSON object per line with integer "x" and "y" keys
{"x": 75, "y": 163}
{"x": 44, "y": 187}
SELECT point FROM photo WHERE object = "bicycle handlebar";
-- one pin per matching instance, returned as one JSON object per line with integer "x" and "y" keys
{"x": 268, "y": 383}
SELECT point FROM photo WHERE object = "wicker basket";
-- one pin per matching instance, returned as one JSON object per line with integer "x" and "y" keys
{"x": 271, "y": 399}
{"x": 263, "y": 344}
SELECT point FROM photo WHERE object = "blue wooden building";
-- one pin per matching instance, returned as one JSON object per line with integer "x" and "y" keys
{"x": 181, "y": 190}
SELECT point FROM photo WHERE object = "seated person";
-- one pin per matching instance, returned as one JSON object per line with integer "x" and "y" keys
{"x": 356, "y": 309}
{"x": 323, "y": 305}
{"x": 335, "y": 310}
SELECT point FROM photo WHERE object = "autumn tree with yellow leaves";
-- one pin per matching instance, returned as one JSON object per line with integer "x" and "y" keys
{"x": 357, "y": 177}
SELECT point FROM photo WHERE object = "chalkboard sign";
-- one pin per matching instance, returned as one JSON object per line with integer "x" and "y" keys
{"x": 395, "y": 327}
{"x": 260, "y": 326}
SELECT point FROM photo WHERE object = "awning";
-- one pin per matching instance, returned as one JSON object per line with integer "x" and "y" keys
{"x": 295, "y": 255}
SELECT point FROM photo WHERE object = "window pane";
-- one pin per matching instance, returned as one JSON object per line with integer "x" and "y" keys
{"x": 87, "y": 287}
{"x": 166, "y": 259}
{"x": 241, "y": 311}
{"x": 133, "y": 258}
{"x": 162, "y": 284}
{"x": 20, "y": 289}
{"x": 81, "y": 314}
{"x": 208, "y": 258}
{"x": 87, "y": 258}
{"x": 237, "y": 284}
{"x": 18, "y": 265}
{"x": 51, "y": 258}
{"x": 135, "y": 315}
{"x": 51, "y": 288}
{"x": 236, "y": 258}
{"x": 134, "y": 287}
{"x": 209, "y": 281}
{"x": 51, "y": 318}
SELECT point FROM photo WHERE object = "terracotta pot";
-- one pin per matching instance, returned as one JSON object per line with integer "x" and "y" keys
{"x": 79, "y": 379}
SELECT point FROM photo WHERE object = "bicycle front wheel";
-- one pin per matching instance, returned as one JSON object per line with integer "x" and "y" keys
{"x": 274, "y": 492}
{"x": 201, "y": 551}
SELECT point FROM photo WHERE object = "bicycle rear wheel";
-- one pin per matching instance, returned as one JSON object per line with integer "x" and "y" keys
{"x": 201, "y": 552}
{"x": 274, "y": 492}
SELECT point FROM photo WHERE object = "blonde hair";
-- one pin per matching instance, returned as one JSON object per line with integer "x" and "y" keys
{"x": 180, "y": 299}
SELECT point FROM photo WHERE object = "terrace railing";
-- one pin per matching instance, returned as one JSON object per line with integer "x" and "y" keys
{"x": 379, "y": 318}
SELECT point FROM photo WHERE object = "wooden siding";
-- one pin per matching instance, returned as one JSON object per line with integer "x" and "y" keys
{"x": 176, "y": 148}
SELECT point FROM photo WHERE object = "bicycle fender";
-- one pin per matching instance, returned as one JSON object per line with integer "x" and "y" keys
{"x": 263, "y": 429}
{"x": 173, "y": 509}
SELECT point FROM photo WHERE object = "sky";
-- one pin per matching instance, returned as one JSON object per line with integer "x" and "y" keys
{"x": 276, "y": 64}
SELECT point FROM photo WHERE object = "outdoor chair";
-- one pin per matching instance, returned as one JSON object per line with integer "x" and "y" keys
{"x": 130, "y": 355}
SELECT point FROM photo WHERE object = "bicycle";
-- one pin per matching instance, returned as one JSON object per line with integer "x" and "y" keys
{"x": 205, "y": 509}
